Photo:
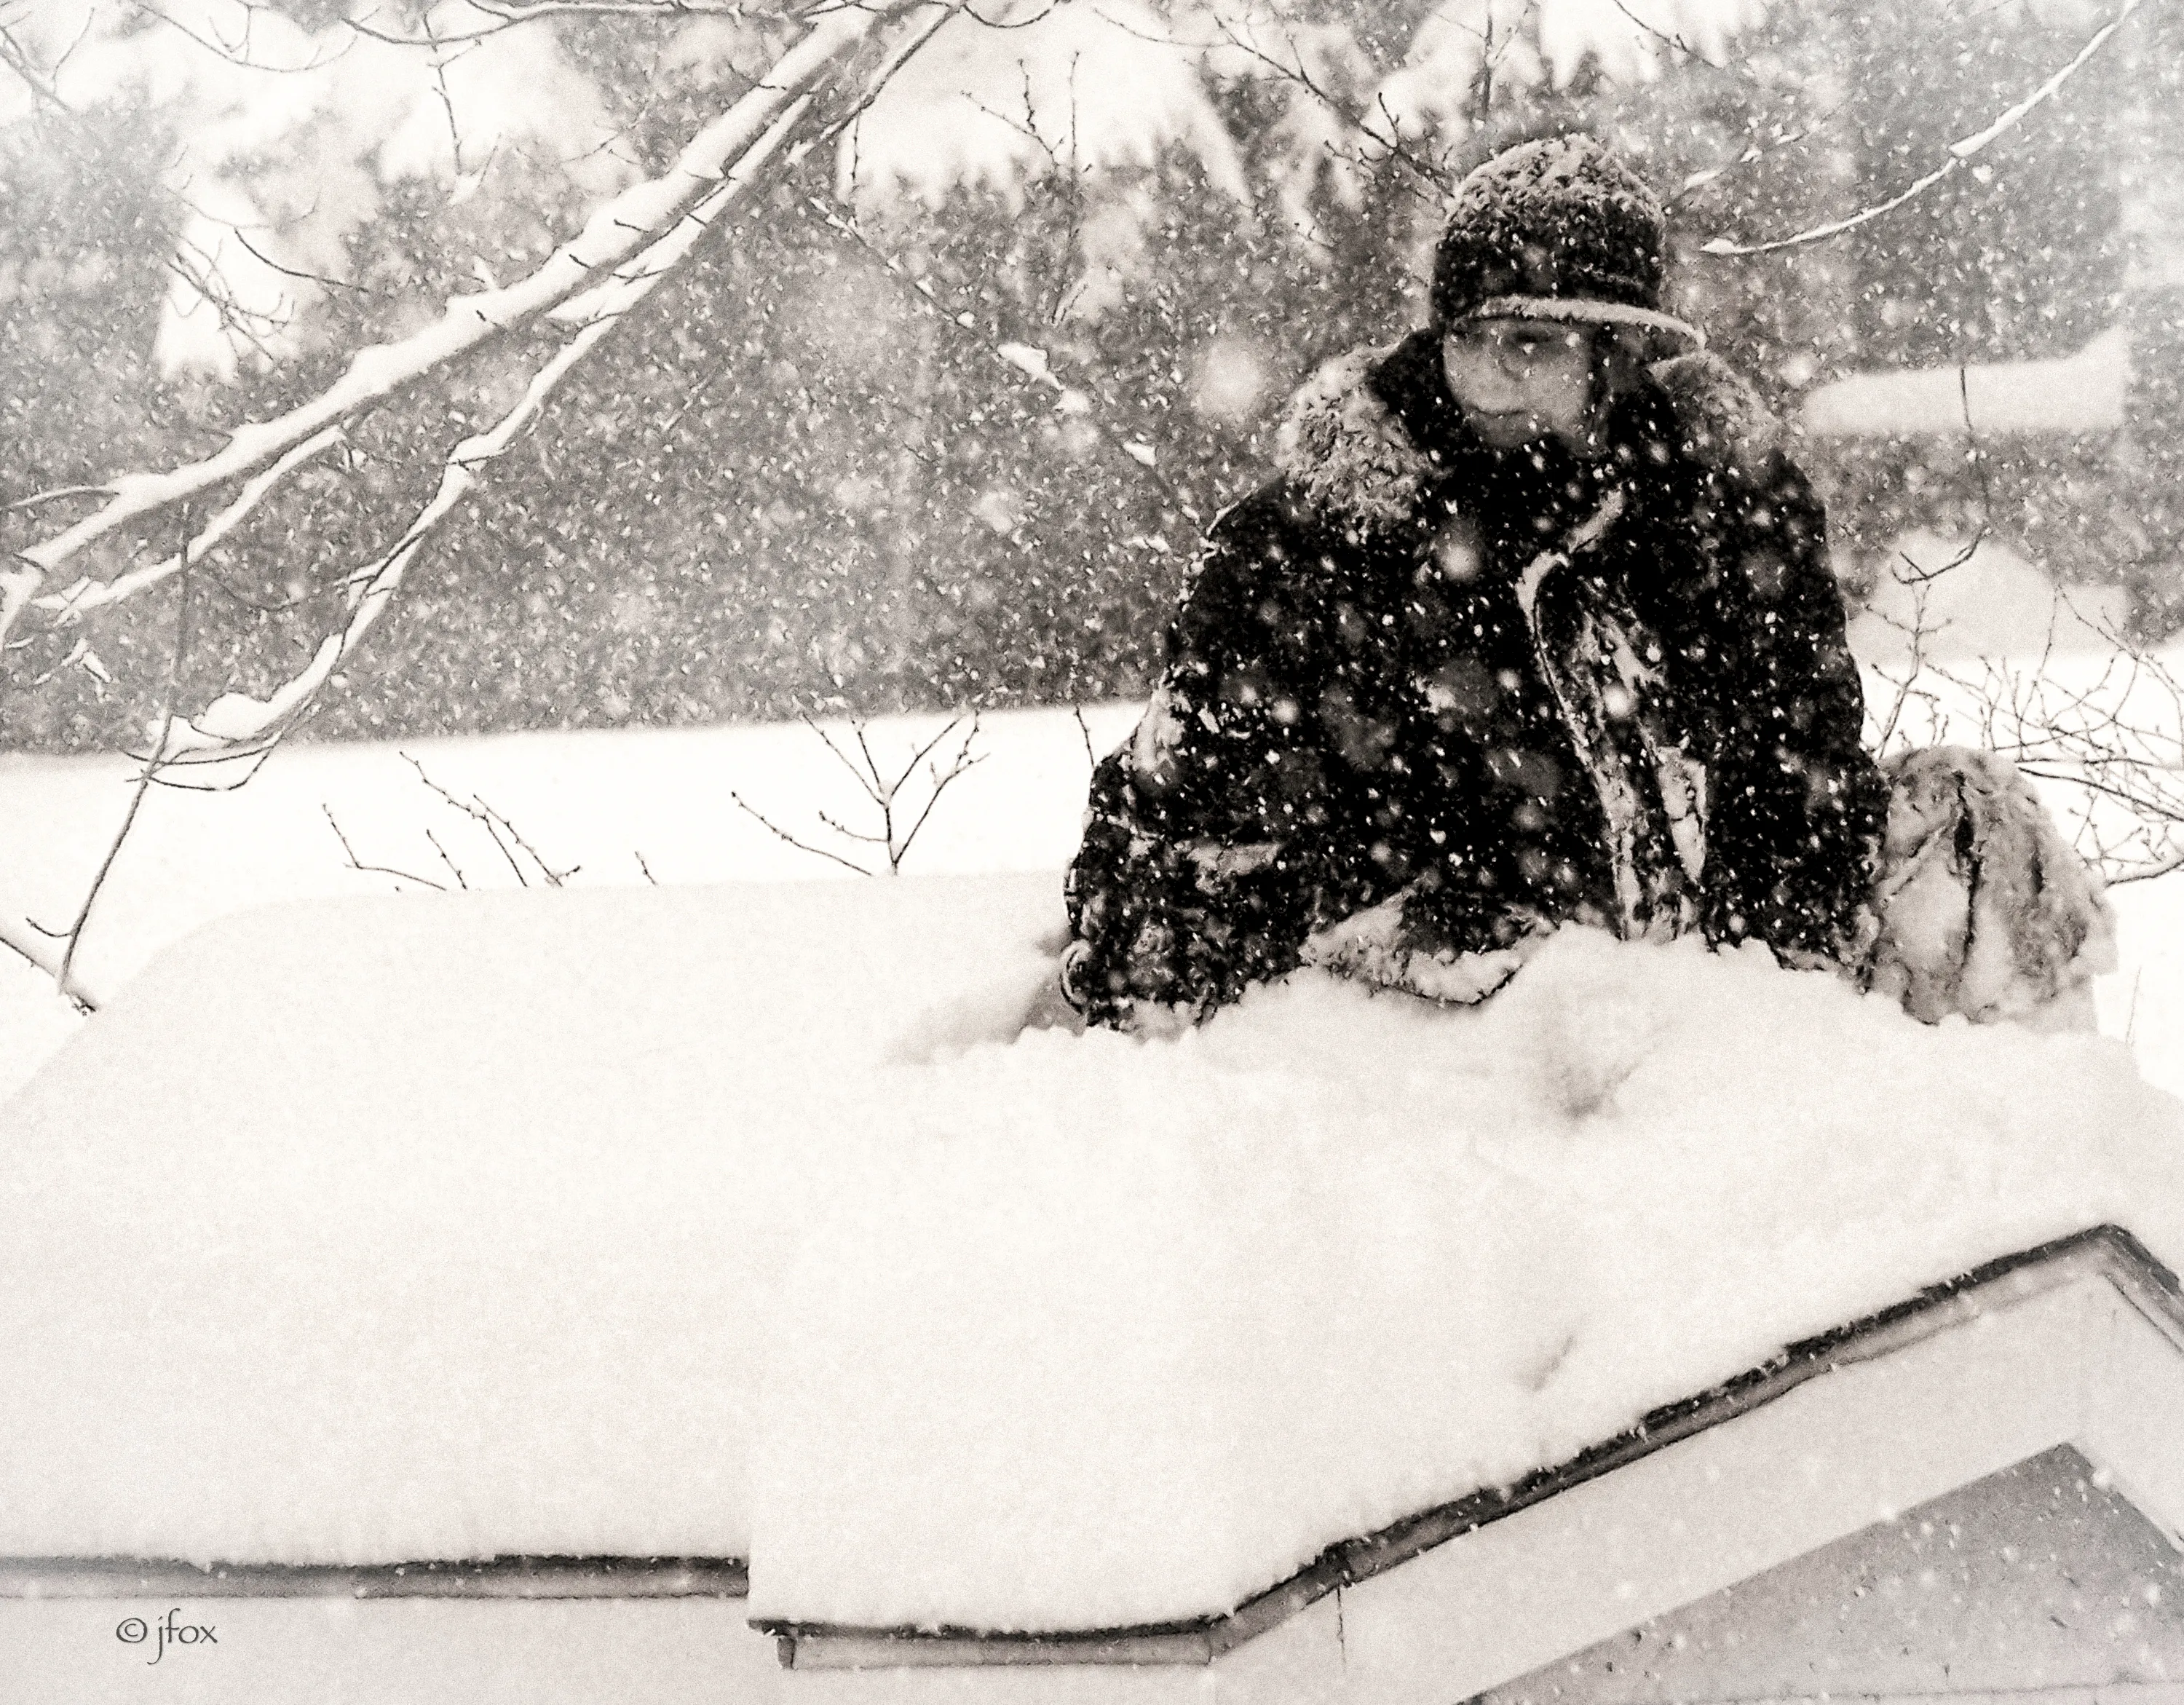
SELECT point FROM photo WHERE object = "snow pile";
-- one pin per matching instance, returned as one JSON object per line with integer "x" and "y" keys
{"x": 1121, "y": 1332}
{"x": 610, "y": 806}
{"x": 381, "y": 1229}
{"x": 743, "y": 1220}
{"x": 2082, "y": 392}
{"x": 1974, "y": 602}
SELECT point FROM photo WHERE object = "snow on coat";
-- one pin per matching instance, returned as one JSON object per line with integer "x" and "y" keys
{"x": 1509, "y": 688}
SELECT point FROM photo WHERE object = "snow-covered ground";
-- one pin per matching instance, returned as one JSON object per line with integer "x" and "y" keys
{"x": 2083, "y": 392}
{"x": 611, "y": 805}
{"x": 617, "y": 805}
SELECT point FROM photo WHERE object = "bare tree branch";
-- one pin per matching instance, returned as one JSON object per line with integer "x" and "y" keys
{"x": 941, "y": 780}
{"x": 1084, "y": 733}
{"x": 455, "y": 870}
{"x": 235, "y": 53}
{"x": 59, "y": 494}
{"x": 509, "y": 15}
{"x": 496, "y": 824}
{"x": 667, "y": 211}
{"x": 13, "y": 56}
{"x": 1669, "y": 39}
{"x": 749, "y": 809}
{"x": 65, "y": 974}
{"x": 1034, "y": 364}
{"x": 1389, "y": 142}
{"x": 196, "y": 270}
{"x": 355, "y": 864}
{"x": 883, "y": 791}
{"x": 80, "y": 600}
{"x": 1753, "y": 153}
{"x": 37, "y": 950}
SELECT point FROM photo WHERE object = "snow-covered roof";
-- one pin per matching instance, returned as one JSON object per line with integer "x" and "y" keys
{"x": 2075, "y": 1351}
{"x": 742, "y": 1223}
{"x": 1878, "y": 1427}
{"x": 378, "y": 1230}
{"x": 2082, "y": 392}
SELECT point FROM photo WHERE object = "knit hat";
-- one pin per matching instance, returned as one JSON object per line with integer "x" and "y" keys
{"x": 1557, "y": 230}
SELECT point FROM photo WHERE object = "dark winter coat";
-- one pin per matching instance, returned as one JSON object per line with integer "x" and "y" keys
{"x": 1514, "y": 686}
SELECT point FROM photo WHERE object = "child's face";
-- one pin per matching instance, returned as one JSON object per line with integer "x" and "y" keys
{"x": 1520, "y": 380}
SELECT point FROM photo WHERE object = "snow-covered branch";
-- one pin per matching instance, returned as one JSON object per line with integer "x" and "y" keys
{"x": 42, "y": 953}
{"x": 1961, "y": 152}
{"x": 237, "y": 723}
{"x": 77, "y": 601}
{"x": 588, "y": 287}
{"x": 634, "y": 224}
{"x": 508, "y": 14}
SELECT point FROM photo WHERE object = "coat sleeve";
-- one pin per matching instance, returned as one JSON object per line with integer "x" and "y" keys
{"x": 1792, "y": 837}
{"x": 1193, "y": 879}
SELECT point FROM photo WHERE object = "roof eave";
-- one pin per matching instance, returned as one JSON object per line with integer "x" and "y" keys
{"x": 2107, "y": 1252}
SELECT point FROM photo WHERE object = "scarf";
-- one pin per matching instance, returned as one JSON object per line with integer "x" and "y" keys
{"x": 1602, "y": 668}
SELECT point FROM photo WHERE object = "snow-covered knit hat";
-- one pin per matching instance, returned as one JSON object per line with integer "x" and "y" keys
{"x": 1558, "y": 230}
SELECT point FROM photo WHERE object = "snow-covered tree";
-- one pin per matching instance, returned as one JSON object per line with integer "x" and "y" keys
{"x": 1062, "y": 267}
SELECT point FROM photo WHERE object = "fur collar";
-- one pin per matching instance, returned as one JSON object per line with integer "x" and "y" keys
{"x": 1344, "y": 448}
{"x": 1727, "y": 428}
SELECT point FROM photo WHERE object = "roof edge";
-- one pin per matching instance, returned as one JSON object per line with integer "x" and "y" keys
{"x": 498, "y": 1577}
{"x": 2108, "y": 1251}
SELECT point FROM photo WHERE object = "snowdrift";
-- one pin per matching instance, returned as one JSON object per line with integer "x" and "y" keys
{"x": 1967, "y": 604}
{"x": 2083, "y": 392}
{"x": 743, "y": 1221}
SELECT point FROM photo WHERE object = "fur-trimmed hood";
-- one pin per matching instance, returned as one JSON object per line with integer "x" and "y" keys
{"x": 1348, "y": 452}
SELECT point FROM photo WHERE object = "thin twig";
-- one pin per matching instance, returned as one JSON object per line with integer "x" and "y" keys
{"x": 455, "y": 870}
{"x": 554, "y": 878}
{"x": 1669, "y": 39}
{"x": 59, "y": 493}
{"x": 356, "y": 864}
{"x": 1008, "y": 354}
{"x": 801, "y": 846}
{"x": 962, "y": 765}
{"x": 509, "y": 16}
{"x": 496, "y": 824}
{"x": 646, "y": 220}
{"x": 1391, "y": 143}
{"x": 147, "y": 772}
